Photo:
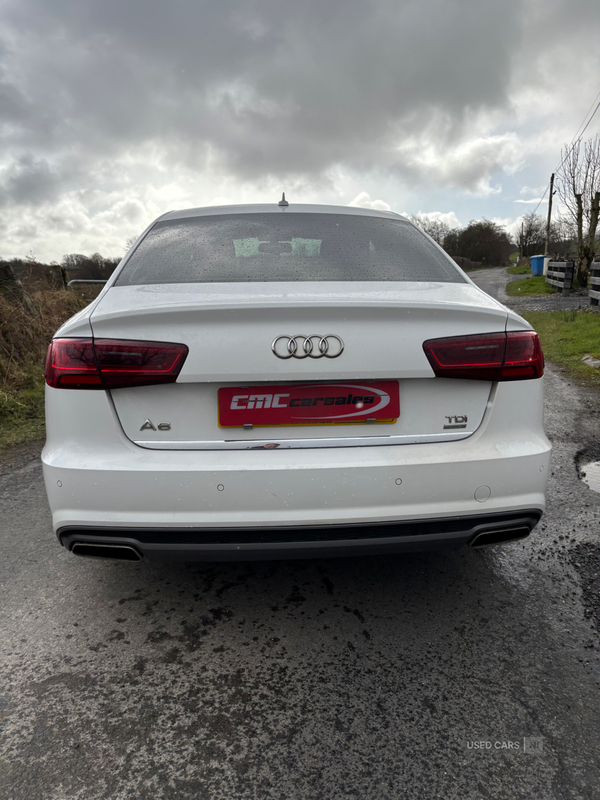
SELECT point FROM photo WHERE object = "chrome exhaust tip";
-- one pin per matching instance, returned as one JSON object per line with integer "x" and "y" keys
{"x": 117, "y": 552}
{"x": 487, "y": 538}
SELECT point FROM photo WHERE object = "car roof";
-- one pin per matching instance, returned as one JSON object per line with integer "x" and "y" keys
{"x": 274, "y": 208}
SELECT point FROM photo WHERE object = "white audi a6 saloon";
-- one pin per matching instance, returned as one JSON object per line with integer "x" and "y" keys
{"x": 276, "y": 381}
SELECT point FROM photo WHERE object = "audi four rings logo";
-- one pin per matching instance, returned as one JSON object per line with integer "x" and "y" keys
{"x": 313, "y": 346}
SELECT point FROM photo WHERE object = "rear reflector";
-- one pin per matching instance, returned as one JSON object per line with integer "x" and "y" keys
{"x": 111, "y": 363}
{"x": 512, "y": 356}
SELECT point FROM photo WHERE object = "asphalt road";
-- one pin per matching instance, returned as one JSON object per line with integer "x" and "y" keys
{"x": 493, "y": 280}
{"x": 351, "y": 678}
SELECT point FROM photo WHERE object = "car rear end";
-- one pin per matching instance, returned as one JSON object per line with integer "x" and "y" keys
{"x": 282, "y": 382}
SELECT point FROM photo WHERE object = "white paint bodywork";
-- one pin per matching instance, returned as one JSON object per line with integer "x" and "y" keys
{"x": 106, "y": 479}
{"x": 101, "y": 470}
{"x": 229, "y": 330}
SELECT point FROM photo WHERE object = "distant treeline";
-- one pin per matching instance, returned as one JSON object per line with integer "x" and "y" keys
{"x": 486, "y": 242}
{"x": 481, "y": 242}
{"x": 72, "y": 266}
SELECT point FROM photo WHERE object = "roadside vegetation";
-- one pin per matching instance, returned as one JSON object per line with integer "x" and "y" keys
{"x": 27, "y": 323}
{"x": 524, "y": 269}
{"x": 34, "y": 303}
{"x": 566, "y": 337}
{"x": 530, "y": 287}
{"x": 578, "y": 186}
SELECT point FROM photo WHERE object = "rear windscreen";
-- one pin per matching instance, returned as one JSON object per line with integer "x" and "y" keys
{"x": 285, "y": 247}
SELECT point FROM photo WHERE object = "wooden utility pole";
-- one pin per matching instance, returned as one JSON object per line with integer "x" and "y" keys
{"x": 549, "y": 214}
{"x": 521, "y": 244}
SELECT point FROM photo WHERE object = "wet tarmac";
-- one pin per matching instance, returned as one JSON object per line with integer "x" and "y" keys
{"x": 590, "y": 473}
{"x": 469, "y": 674}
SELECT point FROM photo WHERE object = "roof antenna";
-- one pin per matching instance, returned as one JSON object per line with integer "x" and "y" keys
{"x": 283, "y": 201}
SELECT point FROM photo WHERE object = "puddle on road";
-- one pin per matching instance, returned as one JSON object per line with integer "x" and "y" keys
{"x": 590, "y": 473}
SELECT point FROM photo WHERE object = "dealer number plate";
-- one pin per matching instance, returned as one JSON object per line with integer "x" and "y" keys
{"x": 309, "y": 404}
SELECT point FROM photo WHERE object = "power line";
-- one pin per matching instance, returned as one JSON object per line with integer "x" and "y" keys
{"x": 578, "y": 138}
{"x": 595, "y": 100}
{"x": 574, "y": 141}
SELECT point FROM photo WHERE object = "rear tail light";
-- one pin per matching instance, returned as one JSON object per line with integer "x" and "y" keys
{"x": 512, "y": 356}
{"x": 111, "y": 363}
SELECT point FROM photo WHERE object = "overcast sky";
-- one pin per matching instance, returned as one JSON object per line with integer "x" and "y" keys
{"x": 115, "y": 111}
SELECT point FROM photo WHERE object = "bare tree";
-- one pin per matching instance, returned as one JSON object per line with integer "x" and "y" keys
{"x": 578, "y": 185}
{"x": 563, "y": 238}
{"x": 531, "y": 239}
{"x": 435, "y": 228}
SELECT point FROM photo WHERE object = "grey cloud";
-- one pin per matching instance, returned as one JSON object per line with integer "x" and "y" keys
{"x": 270, "y": 86}
{"x": 14, "y": 108}
{"x": 26, "y": 232}
{"x": 27, "y": 179}
{"x": 260, "y": 87}
{"x": 32, "y": 180}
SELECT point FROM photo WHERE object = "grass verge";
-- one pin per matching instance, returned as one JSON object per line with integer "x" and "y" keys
{"x": 522, "y": 270}
{"x": 22, "y": 410}
{"x": 24, "y": 336}
{"x": 530, "y": 287}
{"x": 567, "y": 336}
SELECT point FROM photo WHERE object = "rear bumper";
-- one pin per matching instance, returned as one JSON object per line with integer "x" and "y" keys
{"x": 185, "y": 504}
{"x": 193, "y": 544}
{"x": 294, "y": 489}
